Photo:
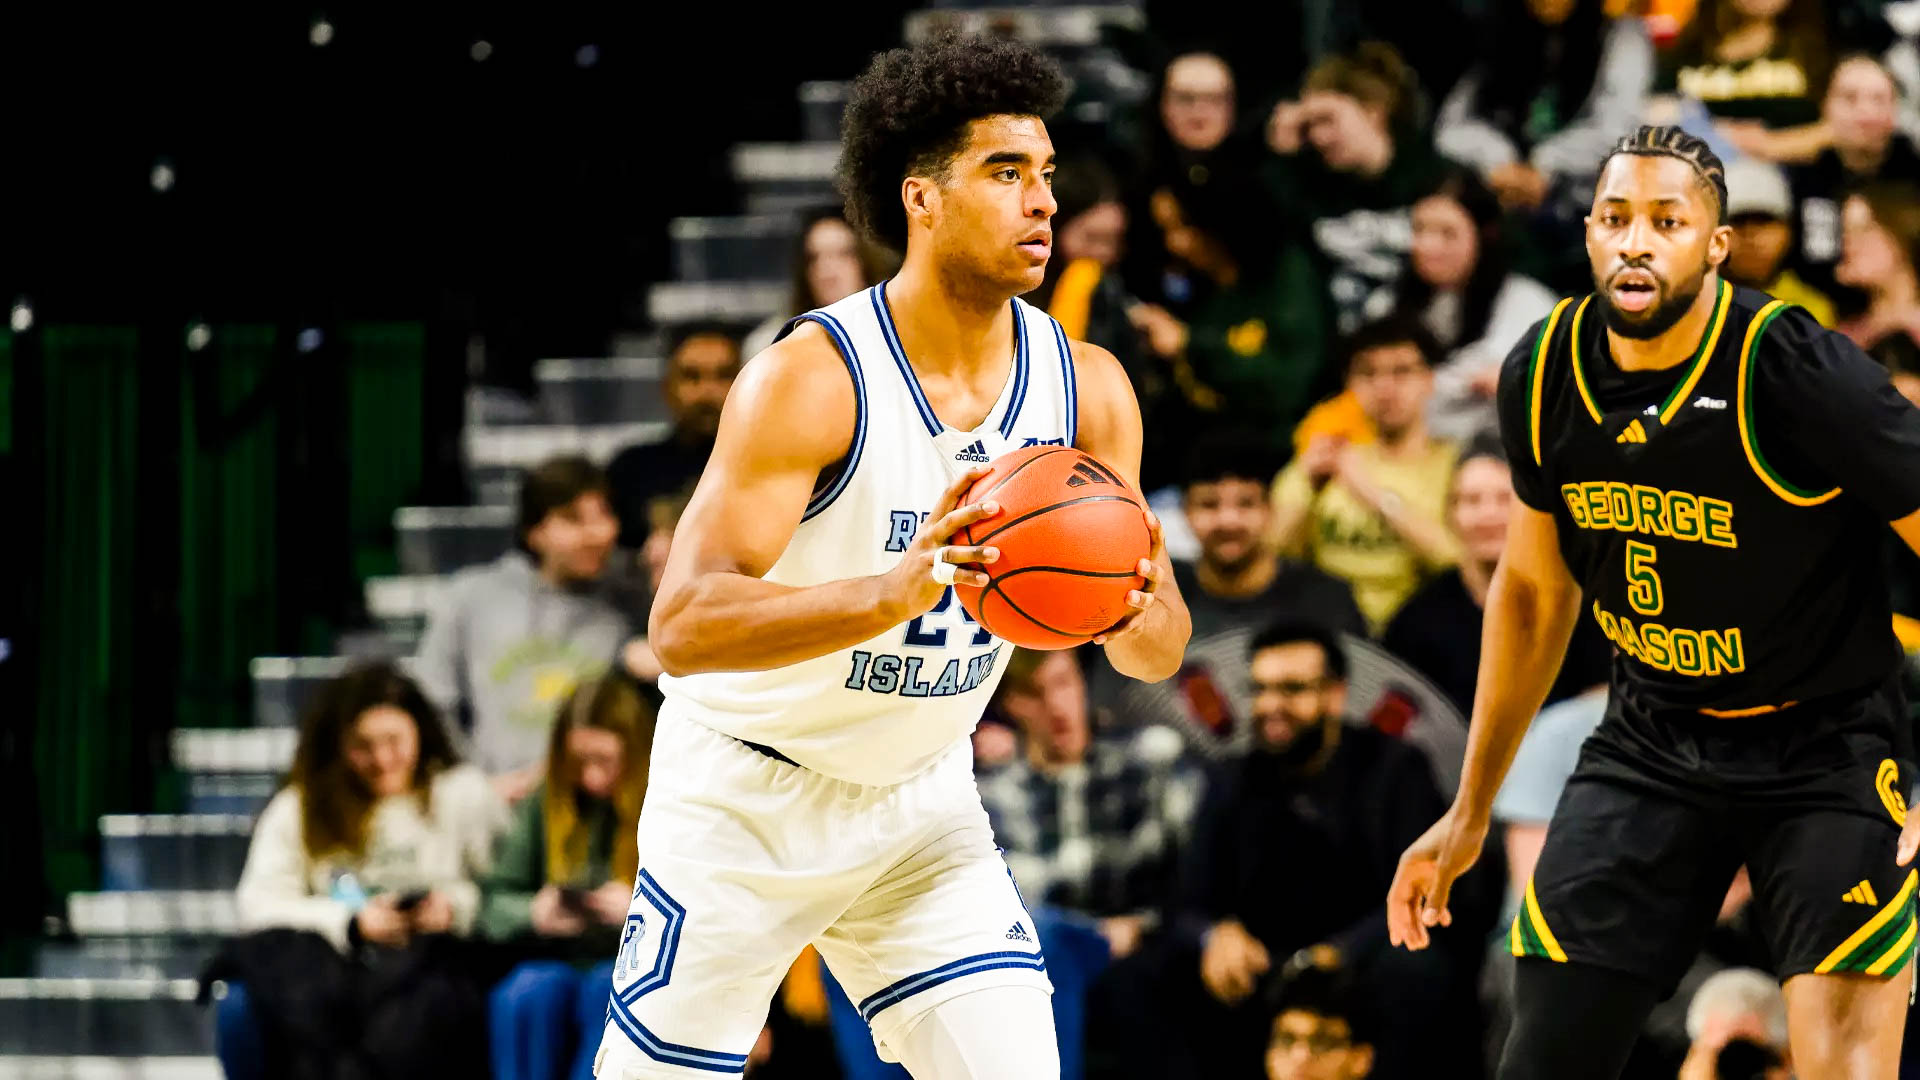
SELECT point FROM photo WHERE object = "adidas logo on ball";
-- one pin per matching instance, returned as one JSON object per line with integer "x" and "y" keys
{"x": 976, "y": 452}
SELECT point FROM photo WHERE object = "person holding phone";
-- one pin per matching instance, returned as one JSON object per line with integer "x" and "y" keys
{"x": 562, "y": 880}
{"x": 373, "y": 843}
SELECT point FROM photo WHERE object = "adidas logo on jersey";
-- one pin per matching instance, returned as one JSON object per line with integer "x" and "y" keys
{"x": 977, "y": 452}
{"x": 1861, "y": 894}
{"x": 1018, "y": 932}
{"x": 1633, "y": 434}
{"x": 1704, "y": 402}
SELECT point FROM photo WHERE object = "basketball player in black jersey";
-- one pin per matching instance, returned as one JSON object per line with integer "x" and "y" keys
{"x": 1713, "y": 471}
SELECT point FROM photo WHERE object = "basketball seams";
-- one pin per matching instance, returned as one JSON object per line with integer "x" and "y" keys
{"x": 1052, "y": 507}
{"x": 1000, "y": 483}
{"x": 1065, "y": 570}
{"x": 994, "y": 587}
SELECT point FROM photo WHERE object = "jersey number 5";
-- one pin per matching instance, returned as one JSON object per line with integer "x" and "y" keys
{"x": 1643, "y": 585}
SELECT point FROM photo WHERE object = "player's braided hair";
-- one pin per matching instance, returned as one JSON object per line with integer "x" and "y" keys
{"x": 1674, "y": 142}
{"x": 908, "y": 115}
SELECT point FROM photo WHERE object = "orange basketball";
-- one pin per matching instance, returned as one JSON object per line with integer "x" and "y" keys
{"x": 1071, "y": 535}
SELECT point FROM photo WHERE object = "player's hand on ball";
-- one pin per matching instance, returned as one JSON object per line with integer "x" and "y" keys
{"x": 912, "y": 586}
{"x": 1141, "y": 599}
{"x": 1417, "y": 899}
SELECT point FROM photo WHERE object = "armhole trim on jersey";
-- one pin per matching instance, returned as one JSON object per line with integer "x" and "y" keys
{"x": 1022, "y": 359}
{"x": 1744, "y": 412}
{"x": 1579, "y": 369}
{"x": 824, "y": 498}
{"x": 1684, "y": 388}
{"x": 1533, "y": 376}
{"x": 1067, "y": 380}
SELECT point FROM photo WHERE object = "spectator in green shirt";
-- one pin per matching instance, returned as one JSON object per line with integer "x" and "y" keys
{"x": 563, "y": 876}
{"x": 1248, "y": 351}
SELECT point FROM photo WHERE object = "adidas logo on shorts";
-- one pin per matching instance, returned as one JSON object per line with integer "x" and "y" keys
{"x": 1018, "y": 932}
{"x": 977, "y": 452}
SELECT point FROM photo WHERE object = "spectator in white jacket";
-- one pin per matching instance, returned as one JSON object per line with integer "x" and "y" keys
{"x": 1458, "y": 285}
{"x": 1558, "y": 81}
{"x": 379, "y": 834}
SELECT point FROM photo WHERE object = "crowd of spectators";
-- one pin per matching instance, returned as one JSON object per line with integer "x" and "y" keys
{"x": 1312, "y": 291}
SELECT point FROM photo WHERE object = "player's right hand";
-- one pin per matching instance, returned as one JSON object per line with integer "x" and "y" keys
{"x": 910, "y": 587}
{"x": 1417, "y": 899}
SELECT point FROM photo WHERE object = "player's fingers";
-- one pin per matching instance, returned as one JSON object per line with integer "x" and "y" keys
{"x": 1139, "y": 601}
{"x": 1909, "y": 837}
{"x": 953, "y": 521}
{"x": 962, "y": 556}
{"x": 1435, "y": 912}
{"x": 956, "y": 491}
{"x": 1155, "y": 534}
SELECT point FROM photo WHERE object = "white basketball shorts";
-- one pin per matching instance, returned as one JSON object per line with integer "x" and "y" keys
{"x": 745, "y": 859}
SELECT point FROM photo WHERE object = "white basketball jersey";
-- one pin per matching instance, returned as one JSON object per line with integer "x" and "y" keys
{"x": 885, "y": 709}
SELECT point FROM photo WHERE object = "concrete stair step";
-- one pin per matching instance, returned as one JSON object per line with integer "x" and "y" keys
{"x": 123, "y": 958}
{"x": 738, "y": 248}
{"x": 103, "y": 1018}
{"x": 172, "y": 851}
{"x": 92, "y": 1067}
{"x": 1057, "y": 27}
{"x": 608, "y": 390}
{"x": 245, "y": 794}
{"x": 252, "y": 751}
{"x": 184, "y": 913}
{"x": 742, "y": 303}
{"x": 443, "y": 539}
{"x": 525, "y": 447}
{"x": 821, "y": 105}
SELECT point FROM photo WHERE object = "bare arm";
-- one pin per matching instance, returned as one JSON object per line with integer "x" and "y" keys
{"x": 1531, "y": 608}
{"x": 1532, "y": 605}
{"x": 790, "y": 415}
{"x": 1150, "y": 644}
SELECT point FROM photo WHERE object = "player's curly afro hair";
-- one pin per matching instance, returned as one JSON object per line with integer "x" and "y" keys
{"x": 909, "y": 111}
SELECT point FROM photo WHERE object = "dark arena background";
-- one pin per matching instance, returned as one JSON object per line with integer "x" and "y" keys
{"x": 357, "y": 349}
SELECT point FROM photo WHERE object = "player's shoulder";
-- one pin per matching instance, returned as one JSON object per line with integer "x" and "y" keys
{"x": 1094, "y": 362}
{"x": 1781, "y": 339}
{"x": 802, "y": 389}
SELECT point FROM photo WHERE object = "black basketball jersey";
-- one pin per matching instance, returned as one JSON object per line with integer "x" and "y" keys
{"x": 1702, "y": 507}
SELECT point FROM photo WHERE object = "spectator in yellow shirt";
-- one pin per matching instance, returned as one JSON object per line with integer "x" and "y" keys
{"x": 1374, "y": 514}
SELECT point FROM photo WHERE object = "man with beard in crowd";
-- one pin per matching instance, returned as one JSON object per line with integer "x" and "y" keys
{"x": 1237, "y": 586}
{"x": 701, "y": 365}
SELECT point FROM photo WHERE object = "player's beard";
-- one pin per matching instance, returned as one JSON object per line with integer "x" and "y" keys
{"x": 1656, "y": 322}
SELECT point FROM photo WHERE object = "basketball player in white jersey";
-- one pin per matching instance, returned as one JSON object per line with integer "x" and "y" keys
{"x": 812, "y": 770}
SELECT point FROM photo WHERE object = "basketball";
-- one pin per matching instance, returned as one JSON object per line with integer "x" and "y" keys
{"x": 1071, "y": 535}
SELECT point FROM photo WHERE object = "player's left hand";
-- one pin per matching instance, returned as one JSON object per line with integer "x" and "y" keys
{"x": 1141, "y": 599}
{"x": 1909, "y": 837}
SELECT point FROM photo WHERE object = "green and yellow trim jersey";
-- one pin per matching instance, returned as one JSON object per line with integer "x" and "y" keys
{"x": 1724, "y": 515}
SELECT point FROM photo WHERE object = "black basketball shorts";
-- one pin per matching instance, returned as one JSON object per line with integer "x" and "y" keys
{"x": 1662, "y": 811}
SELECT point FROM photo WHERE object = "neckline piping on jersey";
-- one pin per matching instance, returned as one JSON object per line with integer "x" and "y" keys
{"x": 1696, "y": 367}
{"x": 935, "y": 426}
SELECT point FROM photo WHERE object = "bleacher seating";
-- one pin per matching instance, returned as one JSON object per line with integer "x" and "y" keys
{"x": 113, "y": 993}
